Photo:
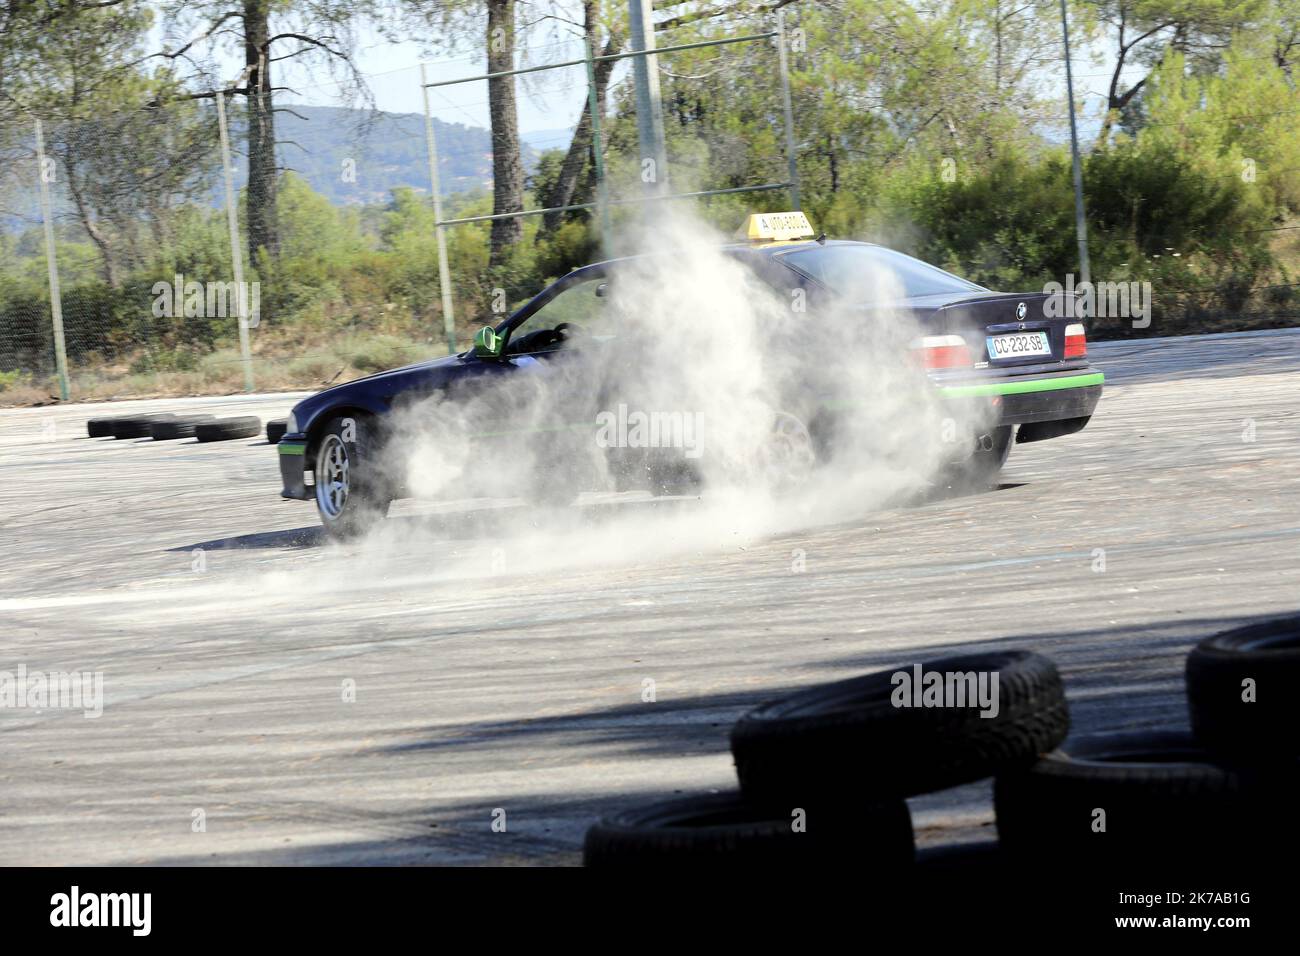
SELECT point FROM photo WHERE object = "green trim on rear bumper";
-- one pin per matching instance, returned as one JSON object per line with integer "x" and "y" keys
{"x": 296, "y": 448}
{"x": 1019, "y": 388}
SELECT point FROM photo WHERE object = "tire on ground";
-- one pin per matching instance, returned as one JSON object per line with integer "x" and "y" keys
{"x": 137, "y": 426}
{"x": 100, "y": 427}
{"x": 723, "y": 830}
{"x": 982, "y": 469}
{"x": 1139, "y": 798}
{"x": 169, "y": 429}
{"x": 224, "y": 429}
{"x": 980, "y": 858}
{"x": 1241, "y": 691}
{"x": 368, "y": 496}
{"x": 848, "y": 740}
{"x": 275, "y": 430}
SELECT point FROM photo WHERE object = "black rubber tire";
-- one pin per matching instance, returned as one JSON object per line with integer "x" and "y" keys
{"x": 963, "y": 859}
{"x": 275, "y": 430}
{"x": 224, "y": 429}
{"x": 847, "y": 740}
{"x": 100, "y": 427}
{"x": 169, "y": 429}
{"x": 369, "y": 497}
{"x": 982, "y": 470}
{"x": 1164, "y": 801}
{"x": 722, "y": 830}
{"x": 137, "y": 426}
{"x": 1267, "y": 729}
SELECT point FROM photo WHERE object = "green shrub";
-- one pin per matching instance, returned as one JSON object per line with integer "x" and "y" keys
{"x": 166, "y": 360}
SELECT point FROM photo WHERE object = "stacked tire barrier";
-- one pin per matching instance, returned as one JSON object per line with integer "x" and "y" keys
{"x": 1222, "y": 796}
{"x": 165, "y": 426}
{"x": 224, "y": 429}
{"x": 841, "y": 758}
{"x": 137, "y": 426}
{"x": 169, "y": 429}
{"x": 851, "y": 751}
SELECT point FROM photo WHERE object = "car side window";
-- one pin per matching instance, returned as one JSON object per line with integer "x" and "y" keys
{"x": 582, "y": 310}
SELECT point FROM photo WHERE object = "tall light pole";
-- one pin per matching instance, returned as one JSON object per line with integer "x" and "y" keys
{"x": 1080, "y": 223}
{"x": 649, "y": 111}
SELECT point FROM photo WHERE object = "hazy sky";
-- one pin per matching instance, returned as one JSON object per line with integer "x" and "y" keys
{"x": 547, "y": 101}
{"x": 550, "y": 100}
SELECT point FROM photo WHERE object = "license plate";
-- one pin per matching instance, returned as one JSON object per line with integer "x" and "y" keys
{"x": 1018, "y": 345}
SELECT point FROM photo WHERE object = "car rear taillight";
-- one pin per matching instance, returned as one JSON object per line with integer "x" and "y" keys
{"x": 1076, "y": 343}
{"x": 942, "y": 351}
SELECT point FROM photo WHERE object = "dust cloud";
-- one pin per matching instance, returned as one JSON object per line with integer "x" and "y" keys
{"x": 780, "y": 417}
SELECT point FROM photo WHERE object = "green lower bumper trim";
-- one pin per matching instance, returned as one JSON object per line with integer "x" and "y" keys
{"x": 293, "y": 449}
{"x": 1019, "y": 388}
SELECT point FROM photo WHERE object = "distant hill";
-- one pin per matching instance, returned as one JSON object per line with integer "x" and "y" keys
{"x": 388, "y": 150}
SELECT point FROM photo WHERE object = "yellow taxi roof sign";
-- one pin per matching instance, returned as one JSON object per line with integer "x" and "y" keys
{"x": 776, "y": 226}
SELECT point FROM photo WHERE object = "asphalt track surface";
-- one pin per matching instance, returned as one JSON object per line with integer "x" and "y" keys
{"x": 484, "y": 681}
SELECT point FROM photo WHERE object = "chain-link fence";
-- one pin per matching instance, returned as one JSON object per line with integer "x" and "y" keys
{"x": 147, "y": 276}
{"x": 117, "y": 229}
{"x": 100, "y": 213}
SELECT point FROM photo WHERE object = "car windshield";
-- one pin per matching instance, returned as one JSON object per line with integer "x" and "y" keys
{"x": 863, "y": 273}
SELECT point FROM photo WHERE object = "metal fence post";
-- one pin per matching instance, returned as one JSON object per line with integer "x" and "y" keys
{"x": 644, "y": 51}
{"x": 597, "y": 148}
{"x": 52, "y": 262}
{"x": 444, "y": 270}
{"x": 236, "y": 255}
{"x": 1080, "y": 221}
{"x": 788, "y": 107}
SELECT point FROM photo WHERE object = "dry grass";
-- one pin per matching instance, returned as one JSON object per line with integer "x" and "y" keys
{"x": 277, "y": 367}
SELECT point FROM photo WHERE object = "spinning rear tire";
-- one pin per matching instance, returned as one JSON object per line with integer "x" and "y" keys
{"x": 981, "y": 471}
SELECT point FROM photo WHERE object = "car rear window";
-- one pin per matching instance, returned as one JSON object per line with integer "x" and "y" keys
{"x": 862, "y": 272}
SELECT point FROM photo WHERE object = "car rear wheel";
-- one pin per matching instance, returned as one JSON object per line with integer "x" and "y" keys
{"x": 350, "y": 494}
{"x": 981, "y": 470}
{"x": 790, "y": 454}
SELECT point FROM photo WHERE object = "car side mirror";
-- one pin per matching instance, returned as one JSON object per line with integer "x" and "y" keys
{"x": 487, "y": 344}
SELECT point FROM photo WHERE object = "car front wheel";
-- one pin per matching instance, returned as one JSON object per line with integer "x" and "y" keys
{"x": 350, "y": 495}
